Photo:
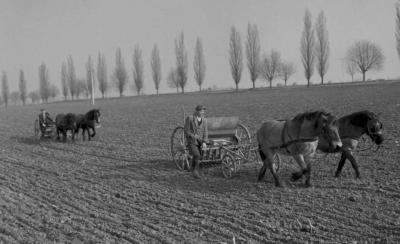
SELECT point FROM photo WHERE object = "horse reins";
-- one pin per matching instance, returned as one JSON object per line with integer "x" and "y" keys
{"x": 364, "y": 149}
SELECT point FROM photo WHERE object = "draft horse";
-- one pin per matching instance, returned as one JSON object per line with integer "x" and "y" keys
{"x": 297, "y": 137}
{"x": 64, "y": 123}
{"x": 88, "y": 121}
{"x": 351, "y": 128}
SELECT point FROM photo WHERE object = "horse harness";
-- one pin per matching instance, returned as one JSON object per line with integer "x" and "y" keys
{"x": 285, "y": 145}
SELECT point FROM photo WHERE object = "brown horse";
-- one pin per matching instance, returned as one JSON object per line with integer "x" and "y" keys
{"x": 298, "y": 138}
{"x": 351, "y": 128}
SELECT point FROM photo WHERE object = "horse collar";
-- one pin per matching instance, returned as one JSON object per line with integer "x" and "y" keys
{"x": 290, "y": 142}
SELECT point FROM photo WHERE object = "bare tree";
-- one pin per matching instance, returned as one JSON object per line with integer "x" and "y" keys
{"x": 81, "y": 87}
{"x": 89, "y": 76}
{"x": 138, "y": 69}
{"x": 22, "y": 86}
{"x": 44, "y": 83}
{"x": 199, "y": 64}
{"x": 14, "y": 97}
{"x": 236, "y": 56}
{"x": 156, "y": 67}
{"x": 270, "y": 67}
{"x": 308, "y": 47}
{"x": 287, "y": 70}
{"x": 351, "y": 69}
{"x": 54, "y": 91}
{"x": 120, "y": 74}
{"x": 365, "y": 55}
{"x": 253, "y": 52}
{"x": 322, "y": 47}
{"x": 34, "y": 96}
{"x": 172, "y": 79}
{"x": 71, "y": 77}
{"x": 64, "y": 80}
{"x": 181, "y": 62}
{"x": 102, "y": 74}
{"x": 397, "y": 32}
{"x": 5, "y": 89}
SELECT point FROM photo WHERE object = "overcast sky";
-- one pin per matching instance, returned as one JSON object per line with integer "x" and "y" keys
{"x": 32, "y": 32}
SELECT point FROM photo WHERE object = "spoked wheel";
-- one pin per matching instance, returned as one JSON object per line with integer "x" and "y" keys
{"x": 244, "y": 140}
{"x": 36, "y": 128}
{"x": 276, "y": 162}
{"x": 229, "y": 166}
{"x": 179, "y": 152}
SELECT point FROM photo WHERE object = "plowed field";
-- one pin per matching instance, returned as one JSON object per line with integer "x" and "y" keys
{"x": 122, "y": 187}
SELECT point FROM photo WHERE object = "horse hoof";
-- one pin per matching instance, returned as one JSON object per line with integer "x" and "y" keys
{"x": 337, "y": 175}
{"x": 296, "y": 176}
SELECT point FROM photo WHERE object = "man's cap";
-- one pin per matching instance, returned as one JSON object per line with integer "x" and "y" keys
{"x": 200, "y": 107}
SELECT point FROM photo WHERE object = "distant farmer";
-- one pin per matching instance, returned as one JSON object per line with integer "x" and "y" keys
{"x": 44, "y": 120}
{"x": 196, "y": 136}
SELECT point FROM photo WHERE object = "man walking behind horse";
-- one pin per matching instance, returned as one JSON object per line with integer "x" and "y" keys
{"x": 196, "y": 135}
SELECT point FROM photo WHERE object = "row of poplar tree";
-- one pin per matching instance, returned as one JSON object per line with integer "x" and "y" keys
{"x": 314, "y": 51}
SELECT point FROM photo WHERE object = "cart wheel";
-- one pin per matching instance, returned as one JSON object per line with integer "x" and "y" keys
{"x": 228, "y": 166}
{"x": 244, "y": 140}
{"x": 276, "y": 162}
{"x": 36, "y": 128}
{"x": 179, "y": 152}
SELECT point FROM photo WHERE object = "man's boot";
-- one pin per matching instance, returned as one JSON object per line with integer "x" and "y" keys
{"x": 195, "y": 172}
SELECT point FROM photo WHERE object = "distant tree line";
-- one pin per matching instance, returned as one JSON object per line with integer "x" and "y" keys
{"x": 361, "y": 57}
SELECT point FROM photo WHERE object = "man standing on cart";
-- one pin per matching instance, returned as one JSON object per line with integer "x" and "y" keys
{"x": 197, "y": 136}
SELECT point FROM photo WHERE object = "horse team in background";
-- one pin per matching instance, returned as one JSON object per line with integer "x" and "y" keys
{"x": 73, "y": 122}
{"x": 88, "y": 121}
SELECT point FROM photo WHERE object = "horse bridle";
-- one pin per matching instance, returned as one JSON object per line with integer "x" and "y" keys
{"x": 95, "y": 116}
{"x": 371, "y": 130}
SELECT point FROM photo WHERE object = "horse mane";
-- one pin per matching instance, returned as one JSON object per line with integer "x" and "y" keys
{"x": 90, "y": 114}
{"x": 311, "y": 115}
{"x": 361, "y": 118}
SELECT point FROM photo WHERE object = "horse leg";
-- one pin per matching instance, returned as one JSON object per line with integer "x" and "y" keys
{"x": 273, "y": 170}
{"x": 83, "y": 134}
{"x": 300, "y": 161}
{"x": 94, "y": 131}
{"x": 341, "y": 164}
{"x": 88, "y": 133}
{"x": 73, "y": 135}
{"x": 268, "y": 163}
{"x": 65, "y": 135}
{"x": 307, "y": 172}
{"x": 353, "y": 162}
{"x": 58, "y": 134}
{"x": 264, "y": 167}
